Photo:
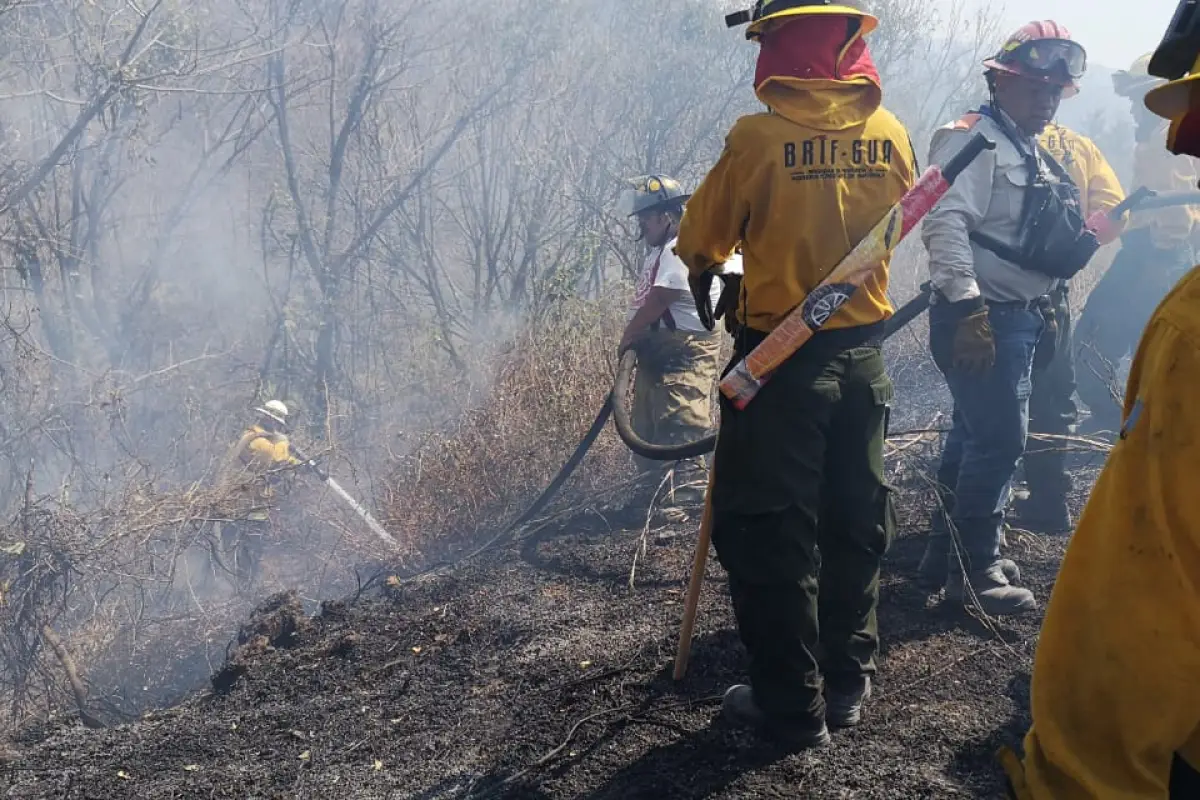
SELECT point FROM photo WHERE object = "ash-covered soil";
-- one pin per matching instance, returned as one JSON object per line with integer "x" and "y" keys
{"x": 536, "y": 671}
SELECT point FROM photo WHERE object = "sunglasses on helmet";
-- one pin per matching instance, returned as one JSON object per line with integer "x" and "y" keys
{"x": 1048, "y": 55}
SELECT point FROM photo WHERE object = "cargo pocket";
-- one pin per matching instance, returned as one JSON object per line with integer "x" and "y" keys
{"x": 886, "y": 522}
{"x": 882, "y": 394}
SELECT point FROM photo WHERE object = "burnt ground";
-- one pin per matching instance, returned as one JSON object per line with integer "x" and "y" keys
{"x": 537, "y": 672}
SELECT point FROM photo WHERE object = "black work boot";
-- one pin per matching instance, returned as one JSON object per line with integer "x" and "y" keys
{"x": 933, "y": 569}
{"x": 739, "y": 708}
{"x": 843, "y": 708}
{"x": 994, "y": 591}
{"x": 1042, "y": 514}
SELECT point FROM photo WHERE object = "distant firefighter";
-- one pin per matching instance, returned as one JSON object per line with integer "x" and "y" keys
{"x": 260, "y": 464}
{"x": 1155, "y": 252}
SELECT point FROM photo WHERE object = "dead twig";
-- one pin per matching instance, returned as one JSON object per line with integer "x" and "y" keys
{"x": 644, "y": 538}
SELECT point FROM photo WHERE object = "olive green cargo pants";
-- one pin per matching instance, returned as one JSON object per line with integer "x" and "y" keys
{"x": 802, "y": 518}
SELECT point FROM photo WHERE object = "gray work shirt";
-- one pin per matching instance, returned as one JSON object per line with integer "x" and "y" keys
{"x": 986, "y": 197}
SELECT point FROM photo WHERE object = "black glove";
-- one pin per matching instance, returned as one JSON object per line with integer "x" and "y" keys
{"x": 701, "y": 286}
{"x": 1047, "y": 344}
{"x": 727, "y": 303}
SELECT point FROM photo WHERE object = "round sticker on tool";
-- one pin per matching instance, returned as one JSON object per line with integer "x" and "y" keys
{"x": 823, "y": 302}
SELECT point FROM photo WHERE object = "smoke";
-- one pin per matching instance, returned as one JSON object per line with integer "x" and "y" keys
{"x": 355, "y": 207}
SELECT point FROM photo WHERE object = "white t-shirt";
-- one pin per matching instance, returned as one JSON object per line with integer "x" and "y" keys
{"x": 665, "y": 269}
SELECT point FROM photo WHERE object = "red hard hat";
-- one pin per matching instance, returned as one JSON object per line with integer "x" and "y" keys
{"x": 1042, "y": 50}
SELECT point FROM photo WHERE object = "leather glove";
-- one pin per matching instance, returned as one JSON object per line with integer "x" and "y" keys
{"x": 1047, "y": 345}
{"x": 727, "y": 303}
{"x": 974, "y": 349}
{"x": 701, "y": 286}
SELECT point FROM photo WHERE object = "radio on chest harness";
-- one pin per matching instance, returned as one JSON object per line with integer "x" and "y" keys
{"x": 1053, "y": 237}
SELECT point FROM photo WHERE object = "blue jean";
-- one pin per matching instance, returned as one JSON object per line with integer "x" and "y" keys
{"x": 991, "y": 419}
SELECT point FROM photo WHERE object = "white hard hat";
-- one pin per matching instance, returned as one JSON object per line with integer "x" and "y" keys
{"x": 274, "y": 409}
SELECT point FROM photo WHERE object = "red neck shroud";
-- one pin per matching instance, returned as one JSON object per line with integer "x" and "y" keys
{"x": 814, "y": 47}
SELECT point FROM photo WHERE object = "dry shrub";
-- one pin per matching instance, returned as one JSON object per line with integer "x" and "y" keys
{"x": 91, "y": 607}
{"x": 541, "y": 396}
{"x": 119, "y": 607}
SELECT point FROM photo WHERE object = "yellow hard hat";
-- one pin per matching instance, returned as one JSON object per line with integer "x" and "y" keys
{"x": 1170, "y": 100}
{"x": 1177, "y": 59}
{"x": 766, "y": 10}
{"x": 1136, "y": 80}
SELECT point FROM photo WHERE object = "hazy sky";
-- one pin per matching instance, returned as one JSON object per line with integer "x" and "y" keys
{"x": 1114, "y": 33}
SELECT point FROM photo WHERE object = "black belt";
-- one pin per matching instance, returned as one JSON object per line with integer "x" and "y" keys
{"x": 1026, "y": 305}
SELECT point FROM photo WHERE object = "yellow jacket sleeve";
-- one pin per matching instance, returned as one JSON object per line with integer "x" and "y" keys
{"x": 235, "y": 458}
{"x": 714, "y": 218}
{"x": 1103, "y": 190}
{"x": 1114, "y": 681}
{"x": 1154, "y": 167}
{"x": 271, "y": 453}
{"x": 1099, "y": 187}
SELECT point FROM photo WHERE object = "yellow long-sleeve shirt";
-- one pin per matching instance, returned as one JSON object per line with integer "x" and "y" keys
{"x": 257, "y": 454}
{"x": 797, "y": 196}
{"x": 260, "y": 450}
{"x": 1099, "y": 187}
{"x": 1115, "y": 690}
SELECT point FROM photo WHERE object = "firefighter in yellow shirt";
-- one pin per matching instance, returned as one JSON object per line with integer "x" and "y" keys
{"x": 261, "y": 465}
{"x": 1052, "y": 403}
{"x": 800, "y": 467}
{"x": 1115, "y": 705}
{"x": 1155, "y": 251}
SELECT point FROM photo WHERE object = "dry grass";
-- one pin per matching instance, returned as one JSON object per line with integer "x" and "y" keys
{"x": 542, "y": 394}
{"x": 117, "y": 607}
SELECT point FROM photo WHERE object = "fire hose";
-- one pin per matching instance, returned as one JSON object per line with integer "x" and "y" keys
{"x": 337, "y": 489}
{"x": 614, "y": 404}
